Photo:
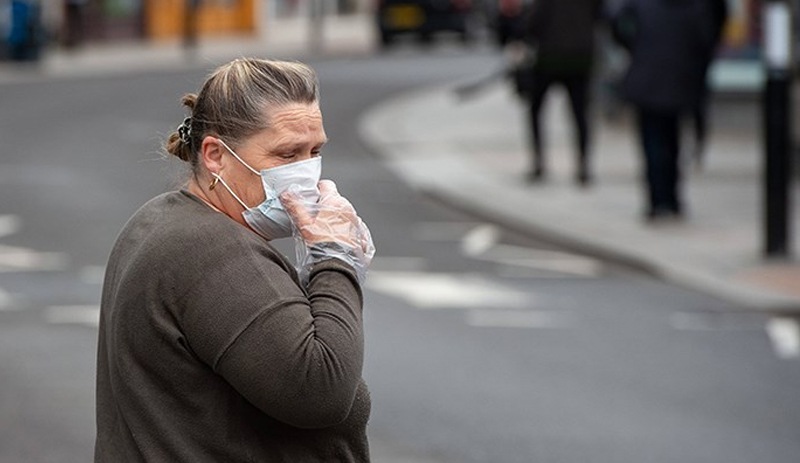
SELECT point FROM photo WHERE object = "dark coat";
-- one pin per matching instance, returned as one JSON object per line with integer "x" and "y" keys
{"x": 563, "y": 33}
{"x": 671, "y": 43}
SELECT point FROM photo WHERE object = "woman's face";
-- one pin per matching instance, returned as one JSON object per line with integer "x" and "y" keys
{"x": 295, "y": 134}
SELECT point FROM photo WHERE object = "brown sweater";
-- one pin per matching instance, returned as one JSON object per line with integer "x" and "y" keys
{"x": 210, "y": 350}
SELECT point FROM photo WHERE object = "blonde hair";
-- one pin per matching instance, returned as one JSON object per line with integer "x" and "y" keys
{"x": 236, "y": 101}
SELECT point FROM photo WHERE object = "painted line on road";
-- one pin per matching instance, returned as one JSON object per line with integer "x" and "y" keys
{"x": 442, "y": 231}
{"x": 93, "y": 274}
{"x": 5, "y": 301}
{"x": 541, "y": 259}
{"x": 88, "y": 315}
{"x": 517, "y": 319}
{"x": 9, "y": 224}
{"x": 479, "y": 240}
{"x": 785, "y": 336}
{"x": 17, "y": 259}
{"x": 427, "y": 290}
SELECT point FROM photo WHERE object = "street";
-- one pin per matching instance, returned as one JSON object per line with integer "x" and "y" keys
{"x": 483, "y": 345}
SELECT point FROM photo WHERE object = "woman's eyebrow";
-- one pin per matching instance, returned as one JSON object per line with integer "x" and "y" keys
{"x": 293, "y": 146}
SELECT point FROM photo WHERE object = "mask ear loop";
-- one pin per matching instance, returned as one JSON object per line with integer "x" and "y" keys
{"x": 218, "y": 177}
{"x": 237, "y": 157}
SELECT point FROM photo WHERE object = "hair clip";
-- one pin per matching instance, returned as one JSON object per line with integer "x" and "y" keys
{"x": 185, "y": 130}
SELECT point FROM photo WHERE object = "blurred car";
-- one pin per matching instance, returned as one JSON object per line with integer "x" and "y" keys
{"x": 424, "y": 18}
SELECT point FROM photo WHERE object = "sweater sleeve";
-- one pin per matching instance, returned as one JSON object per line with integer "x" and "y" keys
{"x": 295, "y": 355}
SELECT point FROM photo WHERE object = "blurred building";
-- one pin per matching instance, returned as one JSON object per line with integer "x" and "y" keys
{"x": 102, "y": 20}
{"x": 742, "y": 35}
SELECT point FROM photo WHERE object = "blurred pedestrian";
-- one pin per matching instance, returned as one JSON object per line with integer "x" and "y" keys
{"x": 699, "y": 116}
{"x": 212, "y": 347}
{"x": 670, "y": 43}
{"x": 509, "y": 21}
{"x": 562, "y": 33}
{"x": 74, "y": 22}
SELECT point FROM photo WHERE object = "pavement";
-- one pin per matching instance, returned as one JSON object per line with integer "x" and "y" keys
{"x": 472, "y": 154}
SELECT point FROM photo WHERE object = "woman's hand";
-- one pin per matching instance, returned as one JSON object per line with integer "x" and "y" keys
{"x": 330, "y": 227}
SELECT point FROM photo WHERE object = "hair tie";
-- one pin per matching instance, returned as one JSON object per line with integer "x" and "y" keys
{"x": 185, "y": 130}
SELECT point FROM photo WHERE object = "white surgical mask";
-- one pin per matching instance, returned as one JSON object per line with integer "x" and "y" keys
{"x": 269, "y": 219}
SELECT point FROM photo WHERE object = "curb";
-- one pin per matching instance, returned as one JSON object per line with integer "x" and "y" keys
{"x": 417, "y": 162}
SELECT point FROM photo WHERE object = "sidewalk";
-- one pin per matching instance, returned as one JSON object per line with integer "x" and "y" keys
{"x": 472, "y": 154}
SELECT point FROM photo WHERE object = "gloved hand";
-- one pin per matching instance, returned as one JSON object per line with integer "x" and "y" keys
{"x": 329, "y": 228}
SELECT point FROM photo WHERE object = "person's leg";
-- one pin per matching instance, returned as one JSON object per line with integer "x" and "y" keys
{"x": 671, "y": 177}
{"x": 541, "y": 82}
{"x": 578, "y": 90}
{"x": 654, "y": 146}
{"x": 700, "y": 125}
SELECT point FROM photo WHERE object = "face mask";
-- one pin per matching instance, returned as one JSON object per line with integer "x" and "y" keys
{"x": 269, "y": 219}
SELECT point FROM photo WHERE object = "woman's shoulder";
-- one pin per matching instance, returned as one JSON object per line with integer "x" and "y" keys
{"x": 180, "y": 225}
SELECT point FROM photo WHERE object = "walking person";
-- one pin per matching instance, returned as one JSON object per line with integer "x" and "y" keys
{"x": 562, "y": 32}
{"x": 212, "y": 346}
{"x": 74, "y": 22}
{"x": 670, "y": 43}
{"x": 699, "y": 116}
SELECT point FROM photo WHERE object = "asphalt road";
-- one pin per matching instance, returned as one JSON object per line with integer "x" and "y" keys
{"x": 482, "y": 345}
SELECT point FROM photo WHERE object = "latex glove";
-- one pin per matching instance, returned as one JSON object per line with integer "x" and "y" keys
{"x": 329, "y": 228}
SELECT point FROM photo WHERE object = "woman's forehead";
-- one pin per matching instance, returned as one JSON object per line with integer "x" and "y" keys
{"x": 295, "y": 116}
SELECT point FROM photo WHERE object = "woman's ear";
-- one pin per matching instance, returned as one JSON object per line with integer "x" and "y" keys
{"x": 211, "y": 154}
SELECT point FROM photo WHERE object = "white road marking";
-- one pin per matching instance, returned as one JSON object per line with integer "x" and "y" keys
{"x": 88, "y": 315}
{"x": 443, "y": 290}
{"x": 479, "y": 240}
{"x": 441, "y": 231}
{"x": 540, "y": 259}
{"x": 93, "y": 274}
{"x": 517, "y": 319}
{"x": 5, "y": 300}
{"x": 783, "y": 332}
{"x": 785, "y": 336}
{"x": 17, "y": 259}
{"x": 9, "y": 224}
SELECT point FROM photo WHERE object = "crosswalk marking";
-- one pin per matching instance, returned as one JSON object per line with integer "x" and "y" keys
{"x": 540, "y": 259}
{"x": 442, "y": 231}
{"x": 479, "y": 240}
{"x": 9, "y": 224}
{"x": 785, "y": 336}
{"x": 18, "y": 259}
{"x": 426, "y": 290}
{"x": 93, "y": 274}
{"x": 5, "y": 300}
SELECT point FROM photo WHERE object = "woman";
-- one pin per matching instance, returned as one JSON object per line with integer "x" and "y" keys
{"x": 212, "y": 347}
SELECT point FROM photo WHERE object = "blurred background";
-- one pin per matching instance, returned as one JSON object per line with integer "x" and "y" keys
{"x": 505, "y": 322}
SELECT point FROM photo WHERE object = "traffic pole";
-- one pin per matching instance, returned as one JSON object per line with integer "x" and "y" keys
{"x": 777, "y": 30}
